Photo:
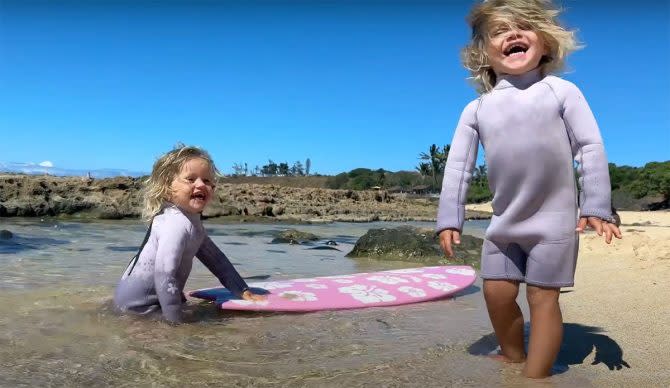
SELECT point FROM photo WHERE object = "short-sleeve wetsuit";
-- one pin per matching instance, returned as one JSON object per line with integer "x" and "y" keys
{"x": 156, "y": 278}
{"x": 531, "y": 128}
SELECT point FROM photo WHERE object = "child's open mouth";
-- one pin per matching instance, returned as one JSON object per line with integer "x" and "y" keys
{"x": 199, "y": 196}
{"x": 515, "y": 49}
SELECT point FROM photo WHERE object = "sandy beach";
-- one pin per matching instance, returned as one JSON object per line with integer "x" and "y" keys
{"x": 617, "y": 313}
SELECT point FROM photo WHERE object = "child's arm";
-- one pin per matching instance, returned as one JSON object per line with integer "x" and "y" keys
{"x": 457, "y": 174}
{"x": 589, "y": 152}
{"x": 218, "y": 264}
{"x": 171, "y": 244}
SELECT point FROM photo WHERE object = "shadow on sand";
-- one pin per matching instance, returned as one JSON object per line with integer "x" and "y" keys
{"x": 579, "y": 341}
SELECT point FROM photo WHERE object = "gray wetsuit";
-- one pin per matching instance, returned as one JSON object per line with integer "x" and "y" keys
{"x": 156, "y": 279}
{"x": 531, "y": 128}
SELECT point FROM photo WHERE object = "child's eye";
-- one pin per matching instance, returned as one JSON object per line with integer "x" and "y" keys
{"x": 499, "y": 31}
{"x": 524, "y": 26}
{"x": 190, "y": 179}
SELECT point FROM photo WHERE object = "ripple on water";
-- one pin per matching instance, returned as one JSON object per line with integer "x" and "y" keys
{"x": 20, "y": 243}
{"x": 130, "y": 248}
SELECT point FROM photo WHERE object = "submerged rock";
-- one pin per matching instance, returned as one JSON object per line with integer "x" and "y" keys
{"x": 293, "y": 236}
{"x": 324, "y": 248}
{"x": 417, "y": 245}
{"x": 5, "y": 234}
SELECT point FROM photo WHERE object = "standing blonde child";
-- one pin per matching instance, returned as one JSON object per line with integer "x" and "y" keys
{"x": 181, "y": 184}
{"x": 532, "y": 126}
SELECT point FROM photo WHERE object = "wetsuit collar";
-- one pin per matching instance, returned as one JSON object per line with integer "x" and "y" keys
{"x": 194, "y": 218}
{"x": 521, "y": 81}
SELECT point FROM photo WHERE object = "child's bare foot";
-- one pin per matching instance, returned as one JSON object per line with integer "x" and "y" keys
{"x": 502, "y": 358}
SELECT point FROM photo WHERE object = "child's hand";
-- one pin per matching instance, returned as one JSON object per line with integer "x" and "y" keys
{"x": 446, "y": 238}
{"x": 250, "y": 296}
{"x": 601, "y": 227}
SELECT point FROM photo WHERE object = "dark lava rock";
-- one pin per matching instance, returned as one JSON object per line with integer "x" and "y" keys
{"x": 415, "y": 245}
{"x": 293, "y": 236}
{"x": 324, "y": 248}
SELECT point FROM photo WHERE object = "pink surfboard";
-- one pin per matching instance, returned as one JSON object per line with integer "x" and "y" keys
{"x": 387, "y": 288}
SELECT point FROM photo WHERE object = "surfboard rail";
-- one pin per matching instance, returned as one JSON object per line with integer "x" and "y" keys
{"x": 360, "y": 290}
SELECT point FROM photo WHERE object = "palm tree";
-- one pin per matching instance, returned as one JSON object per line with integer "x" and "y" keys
{"x": 436, "y": 161}
{"x": 424, "y": 169}
{"x": 480, "y": 176}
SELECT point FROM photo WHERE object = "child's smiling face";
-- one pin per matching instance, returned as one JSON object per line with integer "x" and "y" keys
{"x": 193, "y": 186}
{"x": 514, "y": 48}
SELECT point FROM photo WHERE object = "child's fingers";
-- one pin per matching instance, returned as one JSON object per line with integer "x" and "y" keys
{"x": 581, "y": 224}
{"x": 596, "y": 224}
{"x": 447, "y": 247}
{"x": 445, "y": 242}
{"x": 456, "y": 236}
{"x": 614, "y": 231}
{"x": 608, "y": 232}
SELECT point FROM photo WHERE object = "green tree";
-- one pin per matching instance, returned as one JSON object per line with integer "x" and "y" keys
{"x": 269, "y": 169}
{"x": 479, "y": 186}
{"x": 436, "y": 159}
{"x": 297, "y": 169}
{"x": 653, "y": 178}
{"x": 381, "y": 177}
{"x": 338, "y": 181}
{"x": 622, "y": 176}
{"x": 424, "y": 169}
{"x": 361, "y": 179}
{"x": 283, "y": 169}
{"x": 239, "y": 169}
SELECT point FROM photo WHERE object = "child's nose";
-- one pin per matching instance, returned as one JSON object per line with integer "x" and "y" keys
{"x": 199, "y": 183}
{"x": 512, "y": 34}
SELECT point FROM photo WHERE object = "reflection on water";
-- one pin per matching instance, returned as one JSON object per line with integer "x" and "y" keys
{"x": 57, "y": 327}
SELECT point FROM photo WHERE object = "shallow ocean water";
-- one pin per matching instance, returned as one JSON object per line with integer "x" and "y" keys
{"x": 57, "y": 327}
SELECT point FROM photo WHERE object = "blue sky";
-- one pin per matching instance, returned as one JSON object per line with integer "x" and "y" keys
{"x": 113, "y": 84}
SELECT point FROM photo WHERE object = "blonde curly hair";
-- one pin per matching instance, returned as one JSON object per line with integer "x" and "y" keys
{"x": 158, "y": 186}
{"x": 540, "y": 16}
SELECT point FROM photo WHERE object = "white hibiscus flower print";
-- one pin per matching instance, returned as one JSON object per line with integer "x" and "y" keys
{"x": 171, "y": 288}
{"x": 298, "y": 296}
{"x": 415, "y": 279}
{"x": 304, "y": 280}
{"x": 442, "y": 286}
{"x": 243, "y": 302}
{"x": 273, "y": 285}
{"x": 433, "y": 276}
{"x": 460, "y": 271}
{"x": 407, "y": 270}
{"x": 367, "y": 294}
{"x": 388, "y": 279}
{"x": 316, "y": 286}
{"x": 412, "y": 291}
{"x": 343, "y": 281}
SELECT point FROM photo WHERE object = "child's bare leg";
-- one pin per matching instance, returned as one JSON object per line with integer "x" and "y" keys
{"x": 546, "y": 330}
{"x": 506, "y": 317}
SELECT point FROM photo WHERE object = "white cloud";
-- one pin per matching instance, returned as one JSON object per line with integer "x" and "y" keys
{"x": 46, "y": 163}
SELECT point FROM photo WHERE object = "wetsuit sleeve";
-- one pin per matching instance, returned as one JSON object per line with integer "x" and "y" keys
{"x": 171, "y": 244}
{"x": 217, "y": 262}
{"x": 458, "y": 171}
{"x": 589, "y": 152}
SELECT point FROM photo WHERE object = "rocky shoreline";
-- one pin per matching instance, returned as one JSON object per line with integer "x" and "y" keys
{"x": 121, "y": 197}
